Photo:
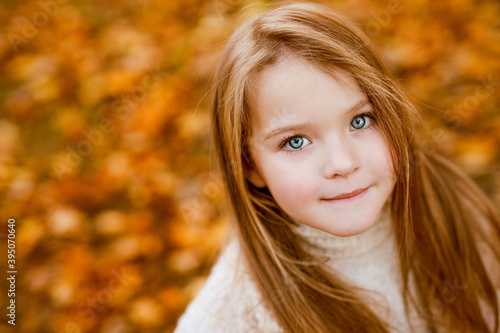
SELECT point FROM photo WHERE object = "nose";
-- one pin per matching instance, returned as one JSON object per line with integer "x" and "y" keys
{"x": 340, "y": 159}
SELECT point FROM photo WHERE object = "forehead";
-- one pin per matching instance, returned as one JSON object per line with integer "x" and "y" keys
{"x": 293, "y": 86}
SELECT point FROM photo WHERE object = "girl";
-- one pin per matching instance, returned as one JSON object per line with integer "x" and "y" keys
{"x": 344, "y": 221}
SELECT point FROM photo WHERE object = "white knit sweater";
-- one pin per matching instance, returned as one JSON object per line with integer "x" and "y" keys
{"x": 230, "y": 301}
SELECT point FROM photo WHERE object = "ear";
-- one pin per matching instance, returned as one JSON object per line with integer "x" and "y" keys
{"x": 250, "y": 170}
{"x": 256, "y": 179}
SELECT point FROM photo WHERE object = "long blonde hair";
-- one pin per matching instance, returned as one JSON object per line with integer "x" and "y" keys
{"x": 439, "y": 214}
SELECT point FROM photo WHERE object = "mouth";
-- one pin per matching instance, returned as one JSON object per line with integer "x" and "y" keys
{"x": 344, "y": 197}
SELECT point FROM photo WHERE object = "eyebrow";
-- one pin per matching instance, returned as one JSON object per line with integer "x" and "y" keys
{"x": 296, "y": 127}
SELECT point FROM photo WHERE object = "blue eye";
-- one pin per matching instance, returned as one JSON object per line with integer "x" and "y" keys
{"x": 360, "y": 121}
{"x": 297, "y": 142}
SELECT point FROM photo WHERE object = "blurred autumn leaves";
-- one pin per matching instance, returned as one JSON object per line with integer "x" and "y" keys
{"x": 105, "y": 141}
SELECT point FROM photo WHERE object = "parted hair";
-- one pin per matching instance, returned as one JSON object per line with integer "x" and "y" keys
{"x": 445, "y": 225}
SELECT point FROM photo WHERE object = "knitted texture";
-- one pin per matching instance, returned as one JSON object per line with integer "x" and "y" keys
{"x": 230, "y": 301}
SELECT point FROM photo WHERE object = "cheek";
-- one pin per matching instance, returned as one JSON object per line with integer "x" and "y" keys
{"x": 379, "y": 158}
{"x": 290, "y": 186}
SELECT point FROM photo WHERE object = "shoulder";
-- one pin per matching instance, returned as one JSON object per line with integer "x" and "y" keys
{"x": 229, "y": 301}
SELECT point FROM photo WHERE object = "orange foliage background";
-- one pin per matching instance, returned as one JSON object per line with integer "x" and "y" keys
{"x": 105, "y": 141}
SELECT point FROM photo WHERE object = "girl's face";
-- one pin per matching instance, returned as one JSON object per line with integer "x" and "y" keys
{"x": 317, "y": 148}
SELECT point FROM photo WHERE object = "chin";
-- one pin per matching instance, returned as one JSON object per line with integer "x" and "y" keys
{"x": 352, "y": 230}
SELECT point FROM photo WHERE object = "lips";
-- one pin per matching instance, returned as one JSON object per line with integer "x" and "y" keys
{"x": 348, "y": 195}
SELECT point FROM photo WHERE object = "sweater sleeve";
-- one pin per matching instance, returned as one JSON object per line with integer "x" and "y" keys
{"x": 229, "y": 301}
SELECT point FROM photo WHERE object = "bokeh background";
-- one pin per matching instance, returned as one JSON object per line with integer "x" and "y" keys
{"x": 105, "y": 153}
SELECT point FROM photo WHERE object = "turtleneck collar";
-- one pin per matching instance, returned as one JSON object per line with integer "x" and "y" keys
{"x": 342, "y": 247}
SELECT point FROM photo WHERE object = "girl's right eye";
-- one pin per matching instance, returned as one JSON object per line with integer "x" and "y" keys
{"x": 294, "y": 143}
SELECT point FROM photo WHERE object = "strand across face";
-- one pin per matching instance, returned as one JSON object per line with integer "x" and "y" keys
{"x": 316, "y": 146}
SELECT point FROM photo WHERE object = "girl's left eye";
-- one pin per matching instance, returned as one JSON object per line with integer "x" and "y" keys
{"x": 360, "y": 122}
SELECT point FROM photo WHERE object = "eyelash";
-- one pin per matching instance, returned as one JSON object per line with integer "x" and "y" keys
{"x": 285, "y": 140}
